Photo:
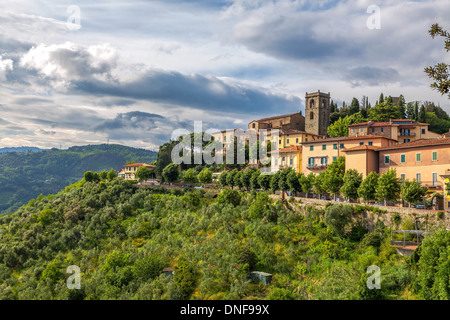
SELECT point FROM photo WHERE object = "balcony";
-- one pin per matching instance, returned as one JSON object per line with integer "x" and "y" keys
{"x": 317, "y": 166}
{"x": 435, "y": 185}
{"x": 406, "y": 134}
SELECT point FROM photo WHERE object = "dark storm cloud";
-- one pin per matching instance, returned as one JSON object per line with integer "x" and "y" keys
{"x": 196, "y": 91}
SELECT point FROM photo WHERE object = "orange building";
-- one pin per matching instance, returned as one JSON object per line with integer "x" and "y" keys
{"x": 402, "y": 130}
{"x": 426, "y": 161}
{"x": 364, "y": 159}
{"x": 319, "y": 153}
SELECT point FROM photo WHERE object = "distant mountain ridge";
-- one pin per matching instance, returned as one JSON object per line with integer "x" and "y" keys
{"x": 25, "y": 175}
{"x": 21, "y": 149}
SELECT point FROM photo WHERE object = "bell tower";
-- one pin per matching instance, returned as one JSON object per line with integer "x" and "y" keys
{"x": 317, "y": 113}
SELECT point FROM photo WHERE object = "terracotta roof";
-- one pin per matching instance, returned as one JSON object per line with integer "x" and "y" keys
{"x": 388, "y": 123}
{"x": 348, "y": 138}
{"x": 381, "y": 124}
{"x": 276, "y": 117}
{"x": 139, "y": 165}
{"x": 364, "y": 147}
{"x": 294, "y": 131}
{"x": 358, "y": 124}
{"x": 288, "y": 149}
{"x": 419, "y": 143}
{"x": 291, "y": 148}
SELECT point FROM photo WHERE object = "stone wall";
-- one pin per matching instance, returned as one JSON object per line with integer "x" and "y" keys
{"x": 370, "y": 218}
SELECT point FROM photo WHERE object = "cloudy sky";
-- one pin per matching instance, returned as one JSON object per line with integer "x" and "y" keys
{"x": 76, "y": 73}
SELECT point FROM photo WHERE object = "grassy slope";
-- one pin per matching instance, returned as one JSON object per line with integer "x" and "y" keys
{"x": 121, "y": 237}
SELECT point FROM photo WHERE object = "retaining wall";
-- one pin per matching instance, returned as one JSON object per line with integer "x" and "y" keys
{"x": 370, "y": 218}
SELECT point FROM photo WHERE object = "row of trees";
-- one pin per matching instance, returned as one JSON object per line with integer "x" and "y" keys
{"x": 91, "y": 176}
{"x": 171, "y": 173}
{"x": 335, "y": 181}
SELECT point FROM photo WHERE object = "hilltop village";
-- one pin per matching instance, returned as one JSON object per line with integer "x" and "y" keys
{"x": 404, "y": 144}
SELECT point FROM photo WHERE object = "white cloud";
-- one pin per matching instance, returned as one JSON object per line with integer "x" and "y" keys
{"x": 68, "y": 61}
{"x": 5, "y": 65}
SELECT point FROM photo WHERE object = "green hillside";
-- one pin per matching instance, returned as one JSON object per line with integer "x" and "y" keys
{"x": 121, "y": 237}
{"x": 24, "y": 176}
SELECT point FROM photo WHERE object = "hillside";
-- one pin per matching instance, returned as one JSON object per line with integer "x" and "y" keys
{"x": 24, "y": 176}
{"x": 121, "y": 237}
{"x": 20, "y": 149}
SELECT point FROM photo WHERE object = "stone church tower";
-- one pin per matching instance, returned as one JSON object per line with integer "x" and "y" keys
{"x": 317, "y": 113}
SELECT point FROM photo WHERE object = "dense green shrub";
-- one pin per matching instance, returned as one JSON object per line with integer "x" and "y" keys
{"x": 229, "y": 196}
{"x": 337, "y": 217}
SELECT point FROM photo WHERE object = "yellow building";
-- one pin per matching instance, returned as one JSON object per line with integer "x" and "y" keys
{"x": 130, "y": 170}
{"x": 121, "y": 173}
{"x": 295, "y": 138}
{"x": 446, "y": 178}
{"x": 290, "y": 157}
